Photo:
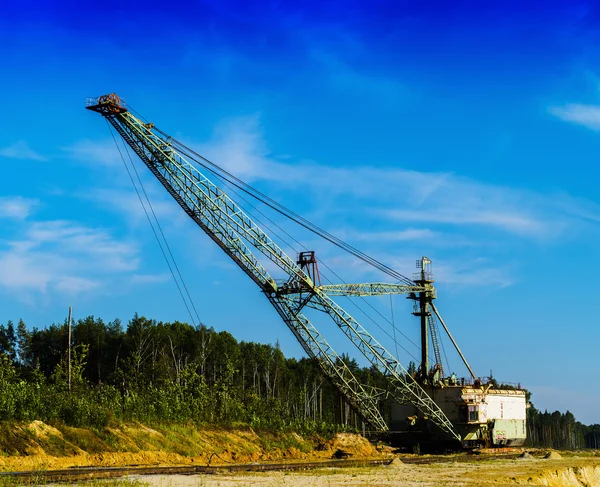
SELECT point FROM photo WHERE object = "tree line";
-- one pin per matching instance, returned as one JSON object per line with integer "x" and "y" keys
{"x": 171, "y": 371}
{"x": 560, "y": 430}
{"x": 163, "y": 371}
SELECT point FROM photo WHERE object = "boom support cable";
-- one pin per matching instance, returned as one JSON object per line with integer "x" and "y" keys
{"x": 443, "y": 350}
{"x": 218, "y": 171}
{"x": 154, "y": 230}
{"x": 232, "y": 187}
{"x": 233, "y": 181}
{"x": 163, "y": 236}
{"x": 255, "y": 193}
{"x": 393, "y": 327}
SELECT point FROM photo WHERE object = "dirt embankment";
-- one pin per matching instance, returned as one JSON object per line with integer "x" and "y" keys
{"x": 36, "y": 445}
{"x": 578, "y": 476}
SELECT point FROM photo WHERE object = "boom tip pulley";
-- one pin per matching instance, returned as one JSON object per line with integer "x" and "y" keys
{"x": 106, "y": 105}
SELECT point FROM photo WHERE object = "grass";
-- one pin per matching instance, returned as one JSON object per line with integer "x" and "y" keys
{"x": 284, "y": 441}
{"x": 88, "y": 440}
{"x": 13, "y": 441}
{"x": 39, "y": 480}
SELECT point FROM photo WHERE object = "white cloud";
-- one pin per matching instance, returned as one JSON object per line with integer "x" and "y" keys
{"x": 406, "y": 235}
{"x": 399, "y": 195}
{"x": 586, "y": 115}
{"x": 41, "y": 272}
{"x": 447, "y": 269}
{"x": 418, "y": 236}
{"x": 150, "y": 278}
{"x": 64, "y": 257}
{"x": 126, "y": 203}
{"x": 16, "y": 207}
{"x": 390, "y": 204}
{"x": 75, "y": 239}
{"x": 526, "y": 225}
{"x": 96, "y": 152}
{"x": 237, "y": 145}
{"x": 476, "y": 273}
{"x": 21, "y": 150}
{"x": 75, "y": 285}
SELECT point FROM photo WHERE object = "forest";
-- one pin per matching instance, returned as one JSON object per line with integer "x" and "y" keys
{"x": 150, "y": 371}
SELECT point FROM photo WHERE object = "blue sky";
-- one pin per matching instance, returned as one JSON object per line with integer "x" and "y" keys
{"x": 465, "y": 133}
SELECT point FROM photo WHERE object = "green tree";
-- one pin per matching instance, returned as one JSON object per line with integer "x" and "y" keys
{"x": 8, "y": 340}
{"x": 23, "y": 344}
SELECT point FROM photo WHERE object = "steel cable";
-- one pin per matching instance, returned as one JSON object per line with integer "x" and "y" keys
{"x": 152, "y": 226}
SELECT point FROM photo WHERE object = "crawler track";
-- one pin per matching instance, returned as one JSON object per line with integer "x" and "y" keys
{"x": 87, "y": 473}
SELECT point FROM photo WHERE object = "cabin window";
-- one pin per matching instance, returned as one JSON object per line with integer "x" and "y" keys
{"x": 473, "y": 413}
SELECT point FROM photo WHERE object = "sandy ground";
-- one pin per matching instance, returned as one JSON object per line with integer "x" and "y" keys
{"x": 451, "y": 472}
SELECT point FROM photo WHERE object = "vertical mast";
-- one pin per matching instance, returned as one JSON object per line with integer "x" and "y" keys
{"x": 424, "y": 278}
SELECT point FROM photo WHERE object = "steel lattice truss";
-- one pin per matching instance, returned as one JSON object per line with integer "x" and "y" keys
{"x": 230, "y": 228}
{"x": 371, "y": 289}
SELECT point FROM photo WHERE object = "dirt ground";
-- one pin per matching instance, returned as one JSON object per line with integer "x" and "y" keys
{"x": 38, "y": 446}
{"x": 448, "y": 471}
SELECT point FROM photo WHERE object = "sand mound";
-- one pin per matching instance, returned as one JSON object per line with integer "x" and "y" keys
{"x": 42, "y": 430}
{"x": 355, "y": 444}
{"x": 552, "y": 455}
{"x": 396, "y": 463}
{"x": 525, "y": 456}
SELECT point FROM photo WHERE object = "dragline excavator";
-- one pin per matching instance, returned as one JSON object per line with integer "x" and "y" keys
{"x": 428, "y": 408}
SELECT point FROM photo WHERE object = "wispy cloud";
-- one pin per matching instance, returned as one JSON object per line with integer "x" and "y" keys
{"x": 401, "y": 195}
{"x": 417, "y": 236}
{"x": 503, "y": 218}
{"x": 17, "y": 207}
{"x": 409, "y": 234}
{"x": 586, "y": 115}
{"x": 125, "y": 202}
{"x": 63, "y": 257}
{"x": 97, "y": 152}
{"x": 74, "y": 239}
{"x": 149, "y": 278}
{"x": 21, "y": 150}
{"x": 447, "y": 199}
{"x": 25, "y": 271}
{"x": 237, "y": 144}
{"x": 424, "y": 209}
{"x": 475, "y": 273}
{"x": 449, "y": 269}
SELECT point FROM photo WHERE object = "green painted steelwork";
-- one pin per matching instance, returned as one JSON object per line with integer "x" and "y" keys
{"x": 232, "y": 230}
{"x": 371, "y": 289}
